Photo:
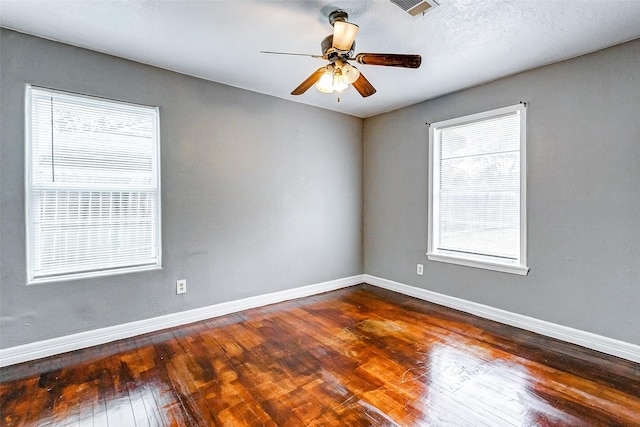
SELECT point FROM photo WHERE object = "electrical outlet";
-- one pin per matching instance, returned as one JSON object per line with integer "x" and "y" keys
{"x": 181, "y": 286}
{"x": 420, "y": 269}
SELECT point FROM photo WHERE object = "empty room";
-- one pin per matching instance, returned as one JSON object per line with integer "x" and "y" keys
{"x": 319, "y": 213}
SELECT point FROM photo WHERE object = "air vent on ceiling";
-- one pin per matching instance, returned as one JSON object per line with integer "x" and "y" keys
{"x": 415, "y": 7}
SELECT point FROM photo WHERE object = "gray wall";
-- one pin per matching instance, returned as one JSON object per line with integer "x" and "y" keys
{"x": 583, "y": 194}
{"x": 258, "y": 195}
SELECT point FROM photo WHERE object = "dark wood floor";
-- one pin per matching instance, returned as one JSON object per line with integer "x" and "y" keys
{"x": 355, "y": 357}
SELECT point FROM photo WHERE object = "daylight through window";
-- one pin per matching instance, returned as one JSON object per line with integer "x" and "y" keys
{"x": 92, "y": 186}
{"x": 477, "y": 214}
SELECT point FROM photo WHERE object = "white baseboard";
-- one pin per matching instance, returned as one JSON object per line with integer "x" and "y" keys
{"x": 50, "y": 347}
{"x": 590, "y": 340}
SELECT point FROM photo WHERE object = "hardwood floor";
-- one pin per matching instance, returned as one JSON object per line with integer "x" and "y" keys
{"x": 360, "y": 356}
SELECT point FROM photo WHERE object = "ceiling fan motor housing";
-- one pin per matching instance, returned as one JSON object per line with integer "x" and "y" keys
{"x": 331, "y": 53}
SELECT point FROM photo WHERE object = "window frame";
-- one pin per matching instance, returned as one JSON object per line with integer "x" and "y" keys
{"x": 30, "y": 188}
{"x": 488, "y": 262}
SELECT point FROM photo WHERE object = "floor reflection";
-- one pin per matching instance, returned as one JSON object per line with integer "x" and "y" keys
{"x": 471, "y": 386}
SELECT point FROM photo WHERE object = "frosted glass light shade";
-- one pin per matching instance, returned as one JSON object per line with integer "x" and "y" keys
{"x": 338, "y": 83}
{"x": 344, "y": 33}
{"x": 350, "y": 74}
{"x": 325, "y": 84}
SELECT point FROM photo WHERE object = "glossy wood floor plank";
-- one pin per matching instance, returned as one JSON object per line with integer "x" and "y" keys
{"x": 360, "y": 356}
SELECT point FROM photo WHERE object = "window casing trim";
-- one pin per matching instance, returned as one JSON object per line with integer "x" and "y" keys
{"x": 30, "y": 187}
{"x": 517, "y": 266}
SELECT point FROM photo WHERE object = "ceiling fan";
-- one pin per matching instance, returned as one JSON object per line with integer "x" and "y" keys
{"x": 338, "y": 49}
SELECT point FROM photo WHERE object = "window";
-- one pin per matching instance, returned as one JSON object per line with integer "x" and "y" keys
{"x": 477, "y": 183}
{"x": 92, "y": 186}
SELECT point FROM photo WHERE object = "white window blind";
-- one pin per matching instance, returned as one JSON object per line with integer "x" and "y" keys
{"x": 93, "y": 199}
{"x": 477, "y": 190}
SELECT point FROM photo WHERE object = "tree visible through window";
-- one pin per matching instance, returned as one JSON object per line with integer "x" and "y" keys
{"x": 477, "y": 190}
{"x": 93, "y": 196}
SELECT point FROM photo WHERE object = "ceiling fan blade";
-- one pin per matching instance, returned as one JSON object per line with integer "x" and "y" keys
{"x": 294, "y": 54}
{"x": 363, "y": 86}
{"x": 310, "y": 81}
{"x": 344, "y": 34}
{"x": 389, "y": 59}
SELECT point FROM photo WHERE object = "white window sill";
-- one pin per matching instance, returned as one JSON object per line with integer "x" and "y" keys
{"x": 92, "y": 274}
{"x": 504, "y": 268}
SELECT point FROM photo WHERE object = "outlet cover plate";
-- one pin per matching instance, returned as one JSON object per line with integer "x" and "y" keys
{"x": 181, "y": 286}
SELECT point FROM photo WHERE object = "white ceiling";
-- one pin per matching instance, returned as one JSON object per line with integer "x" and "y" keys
{"x": 463, "y": 43}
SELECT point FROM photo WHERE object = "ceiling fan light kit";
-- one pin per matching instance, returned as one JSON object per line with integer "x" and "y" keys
{"x": 337, "y": 78}
{"x": 331, "y": 81}
{"x": 338, "y": 48}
